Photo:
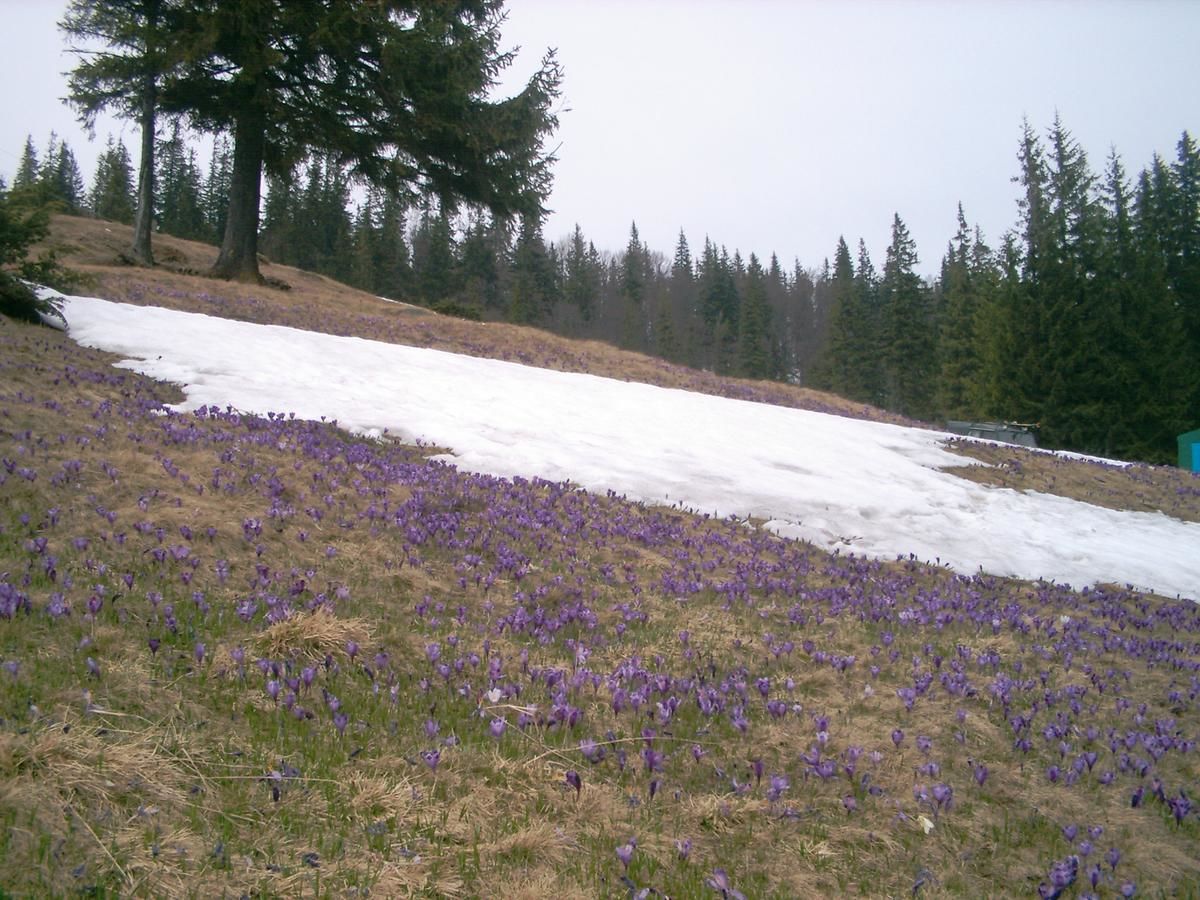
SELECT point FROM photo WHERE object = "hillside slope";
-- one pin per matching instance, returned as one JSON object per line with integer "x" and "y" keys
{"x": 259, "y": 655}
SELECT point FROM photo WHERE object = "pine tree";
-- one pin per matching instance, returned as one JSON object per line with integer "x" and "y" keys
{"x": 633, "y": 268}
{"x": 366, "y": 258}
{"x": 401, "y": 93}
{"x": 214, "y": 195}
{"x": 435, "y": 265}
{"x": 279, "y": 220}
{"x": 178, "y": 196}
{"x": 681, "y": 266}
{"x": 112, "y": 196}
{"x": 26, "y": 179}
{"x": 907, "y": 329}
{"x": 1079, "y": 309}
{"x": 958, "y": 359}
{"x": 684, "y": 305}
{"x": 1183, "y": 271}
{"x": 1146, "y": 354}
{"x": 395, "y": 275}
{"x": 582, "y": 283}
{"x": 59, "y": 182}
{"x": 801, "y": 324}
{"x": 534, "y": 288}
{"x": 482, "y": 260}
{"x": 754, "y": 341}
{"x": 840, "y": 367}
{"x": 141, "y": 41}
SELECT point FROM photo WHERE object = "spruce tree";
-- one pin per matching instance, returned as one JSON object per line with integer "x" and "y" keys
{"x": 633, "y": 268}
{"x": 1183, "y": 270}
{"x": 214, "y": 194}
{"x": 582, "y": 283}
{"x": 112, "y": 195}
{"x": 907, "y": 344}
{"x": 395, "y": 275}
{"x": 534, "y": 286}
{"x": 26, "y": 180}
{"x": 399, "y": 92}
{"x": 958, "y": 357}
{"x": 482, "y": 255}
{"x": 839, "y": 368}
{"x": 1079, "y": 311}
{"x": 178, "y": 202}
{"x": 754, "y": 339}
{"x": 1146, "y": 356}
{"x": 141, "y": 43}
{"x": 435, "y": 263}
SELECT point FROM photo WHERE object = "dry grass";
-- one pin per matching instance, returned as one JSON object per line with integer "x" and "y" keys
{"x": 311, "y": 637}
{"x": 1139, "y": 488}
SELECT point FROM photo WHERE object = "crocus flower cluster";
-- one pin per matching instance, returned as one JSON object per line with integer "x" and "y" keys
{"x": 690, "y": 669}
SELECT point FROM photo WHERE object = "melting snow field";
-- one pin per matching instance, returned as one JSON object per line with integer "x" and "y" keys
{"x": 864, "y": 487}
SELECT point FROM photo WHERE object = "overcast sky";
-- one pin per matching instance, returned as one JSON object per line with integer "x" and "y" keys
{"x": 776, "y": 126}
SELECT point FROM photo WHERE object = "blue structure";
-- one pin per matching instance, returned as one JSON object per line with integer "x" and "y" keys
{"x": 1189, "y": 451}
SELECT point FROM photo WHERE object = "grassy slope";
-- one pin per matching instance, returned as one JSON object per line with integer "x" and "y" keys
{"x": 231, "y": 647}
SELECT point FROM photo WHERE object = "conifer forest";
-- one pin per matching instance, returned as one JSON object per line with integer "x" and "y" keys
{"x": 1083, "y": 319}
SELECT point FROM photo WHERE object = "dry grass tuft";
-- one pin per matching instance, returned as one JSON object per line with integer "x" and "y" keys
{"x": 378, "y": 796}
{"x": 311, "y": 636}
{"x": 541, "y": 883}
{"x": 104, "y": 764}
{"x": 720, "y": 814}
{"x": 540, "y": 841}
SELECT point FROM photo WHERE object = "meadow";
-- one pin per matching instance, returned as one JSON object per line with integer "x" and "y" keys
{"x": 258, "y": 656}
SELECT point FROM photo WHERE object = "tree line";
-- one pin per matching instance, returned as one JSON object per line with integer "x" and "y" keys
{"x": 1084, "y": 321}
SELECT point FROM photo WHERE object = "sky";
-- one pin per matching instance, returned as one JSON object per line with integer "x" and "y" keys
{"x": 774, "y": 126}
{"x": 855, "y": 486}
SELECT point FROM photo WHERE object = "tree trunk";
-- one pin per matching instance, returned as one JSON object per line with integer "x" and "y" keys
{"x": 238, "y": 259}
{"x": 144, "y": 218}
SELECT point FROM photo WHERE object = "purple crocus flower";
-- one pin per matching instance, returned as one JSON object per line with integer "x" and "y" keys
{"x": 497, "y": 726}
{"x": 625, "y": 853}
{"x": 943, "y": 795}
{"x": 897, "y": 737}
{"x": 573, "y": 779}
{"x": 683, "y": 848}
{"x": 652, "y": 759}
{"x": 719, "y": 881}
{"x": 432, "y": 758}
